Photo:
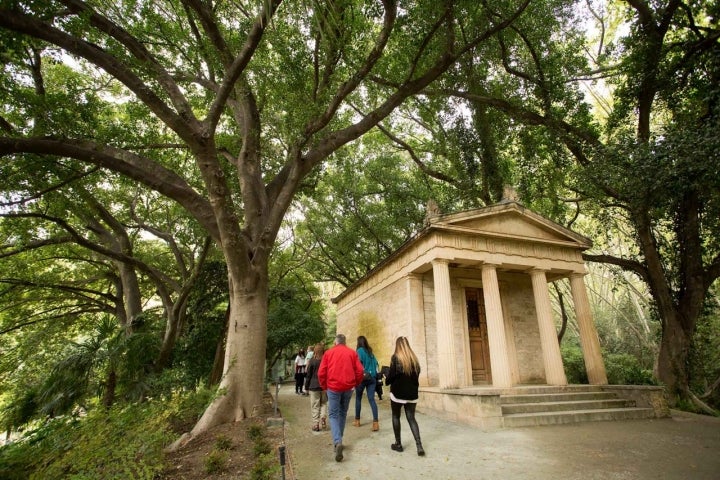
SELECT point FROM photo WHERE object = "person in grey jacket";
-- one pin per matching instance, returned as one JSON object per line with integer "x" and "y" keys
{"x": 403, "y": 380}
{"x": 318, "y": 397}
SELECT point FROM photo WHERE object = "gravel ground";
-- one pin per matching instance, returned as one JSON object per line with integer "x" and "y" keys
{"x": 684, "y": 447}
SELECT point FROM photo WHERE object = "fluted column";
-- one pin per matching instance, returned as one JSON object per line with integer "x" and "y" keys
{"x": 554, "y": 372}
{"x": 447, "y": 366}
{"x": 416, "y": 323}
{"x": 588, "y": 334}
{"x": 499, "y": 364}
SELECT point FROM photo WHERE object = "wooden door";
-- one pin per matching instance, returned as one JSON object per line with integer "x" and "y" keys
{"x": 477, "y": 328}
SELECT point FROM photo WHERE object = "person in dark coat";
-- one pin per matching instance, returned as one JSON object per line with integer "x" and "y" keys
{"x": 403, "y": 380}
{"x": 318, "y": 398}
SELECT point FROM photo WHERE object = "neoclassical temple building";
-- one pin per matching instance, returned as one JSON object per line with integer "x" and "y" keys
{"x": 470, "y": 293}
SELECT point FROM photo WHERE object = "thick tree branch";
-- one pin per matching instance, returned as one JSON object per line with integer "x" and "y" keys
{"x": 421, "y": 165}
{"x": 157, "y": 276}
{"x": 33, "y": 245}
{"x": 447, "y": 15}
{"x": 147, "y": 172}
{"x": 209, "y": 26}
{"x": 79, "y": 311}
{"x": 52, "y": 188}
{"x": 16, "y": 21}
{"x": 138, "y": 50}
{"x": 352, "y": 83}
{"x": 6, "y": 126}
{"x": 629, "y": 265}
{"x": 243, "y": 58}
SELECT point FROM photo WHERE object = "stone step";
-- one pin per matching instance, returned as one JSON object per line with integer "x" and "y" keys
{"x": 576, "y": 416}
{"x": 547, "y": 389}
{"x": 556, "y": 397}
{"x": 563, "y": 406}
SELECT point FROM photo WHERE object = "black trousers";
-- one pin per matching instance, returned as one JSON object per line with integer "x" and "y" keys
{"x": 395, "y": 407}
{"x": 299, "y": 380}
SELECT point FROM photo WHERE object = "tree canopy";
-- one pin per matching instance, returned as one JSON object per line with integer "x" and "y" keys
{"x": 225, "y": 108}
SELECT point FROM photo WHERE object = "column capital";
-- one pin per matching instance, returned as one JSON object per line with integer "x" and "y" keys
{"x": 538, "y": 272}
{"x": 578, "y": 274}
{"x": 489, "y": 265}
{"x": 440, "y": 261}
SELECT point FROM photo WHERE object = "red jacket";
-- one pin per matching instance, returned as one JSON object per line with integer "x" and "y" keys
{"x": 340, "y": 369}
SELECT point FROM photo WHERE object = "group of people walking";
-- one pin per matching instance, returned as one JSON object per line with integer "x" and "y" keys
{"x": 331, "y": 376}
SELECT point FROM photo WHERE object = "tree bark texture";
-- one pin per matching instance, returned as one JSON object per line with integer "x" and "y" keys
{"x": 239, "y": 396}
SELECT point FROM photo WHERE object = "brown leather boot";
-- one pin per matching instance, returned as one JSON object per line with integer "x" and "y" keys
{"x": 376, "y": 426}
{"x": 356, "y": 423}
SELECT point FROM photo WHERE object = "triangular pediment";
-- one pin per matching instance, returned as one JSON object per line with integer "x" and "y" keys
{"x": 511, "y": 220}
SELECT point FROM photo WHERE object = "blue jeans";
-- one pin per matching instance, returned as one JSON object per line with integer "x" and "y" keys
{"x": 371, "y": 398}
{"x": 338, "y": 405}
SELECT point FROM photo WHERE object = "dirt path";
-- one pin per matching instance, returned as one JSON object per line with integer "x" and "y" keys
{"x": 684, "y": 447}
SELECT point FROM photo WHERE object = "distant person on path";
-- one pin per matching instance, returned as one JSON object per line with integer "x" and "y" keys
{"x": 300, "y": 372}
{"x": 318, "y": 398}
{"x": 403, "y": 380}
{"x": 370, "y": 366}
{"x": 309, "y": 354}
{"x": 340, "y": 372}
{"x": 378, "y": 385}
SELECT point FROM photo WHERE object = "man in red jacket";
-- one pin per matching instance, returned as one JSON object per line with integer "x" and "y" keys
{"x": 339, "y": 373}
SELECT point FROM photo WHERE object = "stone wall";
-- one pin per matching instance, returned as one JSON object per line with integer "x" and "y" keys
{"x": 517, "y": 293}
{"x": 381, "y": 318}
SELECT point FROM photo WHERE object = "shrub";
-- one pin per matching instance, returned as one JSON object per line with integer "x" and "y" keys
{"x": 261, "y": 447}
{"x": 223, "y": 443}
{"x": 216, "y": 462}
{"x": 265, "y": 468}
{"x": 624, "y": 369}
{"x": 256, "y": 432}
{"x": 574, "y": 364}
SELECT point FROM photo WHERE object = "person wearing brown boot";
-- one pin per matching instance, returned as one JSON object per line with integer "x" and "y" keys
{"x": 370, "y": 367}
{"x": 403, "y": 381}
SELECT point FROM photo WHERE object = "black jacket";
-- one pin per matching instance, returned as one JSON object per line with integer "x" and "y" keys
{"x": 403, "y": 386}
{"x": 311, "y": 378}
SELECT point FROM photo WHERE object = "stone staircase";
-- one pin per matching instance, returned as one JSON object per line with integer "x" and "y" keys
{"x": 544, "y": 405}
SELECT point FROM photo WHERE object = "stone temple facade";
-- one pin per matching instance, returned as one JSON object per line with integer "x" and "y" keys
{"x": 470, "y": 293}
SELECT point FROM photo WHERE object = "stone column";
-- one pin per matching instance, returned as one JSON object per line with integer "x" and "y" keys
{"x": 554, "y": 372}
{"x": 447, "y": 361}
{"x": 588, "y": 335}
{"x": 416, "y": 324}
{"x": 499, "y": 364}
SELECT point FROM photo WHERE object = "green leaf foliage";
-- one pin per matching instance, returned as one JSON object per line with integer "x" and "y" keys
{"x": 120, "y": 443}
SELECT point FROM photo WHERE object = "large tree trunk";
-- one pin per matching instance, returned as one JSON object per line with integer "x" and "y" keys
{"x": 672, "y": 362}
{"x": 678, "y": 312}
{"x": 244, "y": 357}
{"x": 172, "y": 329}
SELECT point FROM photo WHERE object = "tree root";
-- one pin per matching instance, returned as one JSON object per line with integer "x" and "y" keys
{"x": 179, "y": 443}
{"x": 702, "y": 405}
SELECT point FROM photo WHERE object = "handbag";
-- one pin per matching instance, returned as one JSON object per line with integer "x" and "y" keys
{"x": 367, "y": 377}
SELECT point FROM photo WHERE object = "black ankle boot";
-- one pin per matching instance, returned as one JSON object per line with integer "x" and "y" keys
{"x": 397, "y": 446}
{"x": 420, "y": 450}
